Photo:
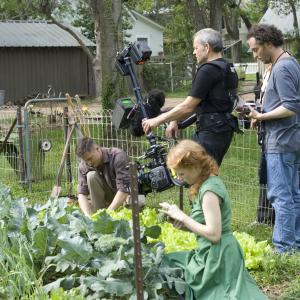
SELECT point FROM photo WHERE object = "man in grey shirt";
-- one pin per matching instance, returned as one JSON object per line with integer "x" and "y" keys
{"x": 281, "y": 118}
{"x": 103, "y": 175}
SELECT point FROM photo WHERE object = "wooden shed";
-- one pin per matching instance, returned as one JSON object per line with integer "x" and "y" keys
{"x": 36, "y": 54}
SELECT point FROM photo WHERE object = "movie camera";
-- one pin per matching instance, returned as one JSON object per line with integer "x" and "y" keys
{"x": 153, "y": 175}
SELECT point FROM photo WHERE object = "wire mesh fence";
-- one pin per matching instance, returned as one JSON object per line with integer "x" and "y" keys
{"x": 47, "y": 124}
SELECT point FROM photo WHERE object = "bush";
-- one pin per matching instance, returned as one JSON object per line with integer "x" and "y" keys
{"x": 156, "y": 76}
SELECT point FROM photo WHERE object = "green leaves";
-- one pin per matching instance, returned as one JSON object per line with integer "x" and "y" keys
{"x": 254, "y": 253}
{"x": 71, "y": 251}
{"x": 76, "y": 248}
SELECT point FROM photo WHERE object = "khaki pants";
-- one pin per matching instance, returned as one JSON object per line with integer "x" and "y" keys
{"x": 100, "y": 193}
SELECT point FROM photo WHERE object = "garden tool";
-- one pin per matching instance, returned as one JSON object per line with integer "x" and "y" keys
{"x": 57, "y": 187}
{"x": 79, "y": 132}
{"x": 2, "y": 146}
{"x": 85, "y": 128}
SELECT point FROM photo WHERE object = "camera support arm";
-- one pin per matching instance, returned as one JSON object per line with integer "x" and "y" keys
{"x": 138, "y": 95}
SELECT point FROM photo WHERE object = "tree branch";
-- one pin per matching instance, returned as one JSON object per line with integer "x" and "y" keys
{"x": 76, "y": 37}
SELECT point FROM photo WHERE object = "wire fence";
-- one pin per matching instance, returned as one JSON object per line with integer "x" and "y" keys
{"x": 47, "y": 125}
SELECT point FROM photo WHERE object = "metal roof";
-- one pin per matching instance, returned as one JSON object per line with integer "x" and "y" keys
{"x": 37, "y": 34}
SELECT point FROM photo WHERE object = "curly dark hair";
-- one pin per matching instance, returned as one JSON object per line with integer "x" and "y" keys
{"x": 264, "y": 33}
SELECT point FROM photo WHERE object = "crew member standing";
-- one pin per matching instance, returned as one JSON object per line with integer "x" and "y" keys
{"x": 281, "y": 116}
{"x": 209, "y": 97}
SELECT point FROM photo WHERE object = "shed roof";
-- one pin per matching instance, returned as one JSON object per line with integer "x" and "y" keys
{"x": 281, "y": 21}
{"x": 137, "y": 16}
{"x": 37, "y": 34}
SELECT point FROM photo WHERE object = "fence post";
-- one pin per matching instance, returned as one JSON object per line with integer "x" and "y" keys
{"x": 171, "y": 75}
{"x": 27, "y": 145}
{"x": 21, "y": 146}
{"x": 136, "y": 231}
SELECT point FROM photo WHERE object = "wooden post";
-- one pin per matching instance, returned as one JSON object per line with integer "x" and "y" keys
{"x": 136, "y": 231}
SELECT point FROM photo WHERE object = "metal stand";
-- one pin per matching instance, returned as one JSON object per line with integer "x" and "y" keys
{"x": 139, "y": 97}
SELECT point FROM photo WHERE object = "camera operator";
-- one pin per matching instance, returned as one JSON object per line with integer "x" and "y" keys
{"x": 102, "y": 174}
{"x": 208, "y": 97}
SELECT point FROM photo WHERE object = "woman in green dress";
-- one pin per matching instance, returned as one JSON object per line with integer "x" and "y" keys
{"x": 216, "y": 269}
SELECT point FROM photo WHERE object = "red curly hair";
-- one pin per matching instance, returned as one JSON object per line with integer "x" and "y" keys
{"x": 188, "y": 154}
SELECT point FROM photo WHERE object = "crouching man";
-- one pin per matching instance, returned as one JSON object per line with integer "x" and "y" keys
{"x": 103, "y": 175}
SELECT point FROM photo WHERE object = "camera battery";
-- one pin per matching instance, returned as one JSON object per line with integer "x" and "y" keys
{"x": 121, "y": 111}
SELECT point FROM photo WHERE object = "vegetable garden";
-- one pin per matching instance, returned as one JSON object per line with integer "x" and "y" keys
{"x": 49, "y": 250}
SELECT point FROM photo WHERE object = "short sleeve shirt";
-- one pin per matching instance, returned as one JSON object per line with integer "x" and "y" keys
{"x": 114, "y": 169}
{"x": 208, "y": 86}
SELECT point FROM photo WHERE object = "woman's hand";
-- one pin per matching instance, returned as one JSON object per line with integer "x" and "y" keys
{"x": 173, "y": 212}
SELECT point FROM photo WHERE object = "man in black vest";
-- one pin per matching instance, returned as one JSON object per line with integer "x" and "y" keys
{"x": 209, "y": 98}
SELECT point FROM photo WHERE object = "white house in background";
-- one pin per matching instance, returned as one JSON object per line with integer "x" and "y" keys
{"x": 281, "y": 21}
{"x": 145, "y": 30}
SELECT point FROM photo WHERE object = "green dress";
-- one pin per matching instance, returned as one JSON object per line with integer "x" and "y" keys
{"x": 215, "y": 271}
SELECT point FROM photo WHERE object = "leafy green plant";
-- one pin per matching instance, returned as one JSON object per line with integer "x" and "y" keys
{"x": 179, "y": 240}
{"x": 68, "y": 250}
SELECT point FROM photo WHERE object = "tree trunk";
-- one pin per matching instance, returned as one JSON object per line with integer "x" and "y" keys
{"x": 215, "y": 14}
{"x": 107, "y": 19}
{"x": 197, "y": 15}
{"x": 231, "y": 19}
{"x": 296, "y": 27}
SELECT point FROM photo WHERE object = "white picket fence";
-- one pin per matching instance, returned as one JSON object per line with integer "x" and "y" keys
{"x": 250, "y": 68}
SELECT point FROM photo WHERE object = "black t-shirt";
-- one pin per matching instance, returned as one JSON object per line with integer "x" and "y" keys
{"x": 208, "y": 86}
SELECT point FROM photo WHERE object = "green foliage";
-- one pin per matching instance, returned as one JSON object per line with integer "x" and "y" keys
{"x": 293, "y": 291}
{"x": 156, "y": 76}
{"x": 60, "y": 294}
{"x": 255, "y": 9}
{"x": 84, "y": 20}
{"x": 33, "y": 9}
{"x": 254, "y": 253}
{"x": 108, "y": 94}
{"x": 295, "y": 48}
{"x": 277, "y": 268}
{"x": 245, "y": 54}
{"x": 178, "y": 240}
{"x": 92, "y": 258}
{"x": 16, "y": 10}
{"x": 283, "y": 6}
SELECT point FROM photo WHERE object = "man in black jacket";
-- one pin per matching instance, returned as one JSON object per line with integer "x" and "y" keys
{"x": 209, "y": 97}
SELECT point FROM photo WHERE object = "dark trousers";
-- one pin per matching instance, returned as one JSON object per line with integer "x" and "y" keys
{"x": 265, "y": 213}
{"x": 215, "y": 143}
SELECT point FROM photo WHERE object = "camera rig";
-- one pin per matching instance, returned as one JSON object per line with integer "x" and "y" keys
{"x": 153, "y": 175}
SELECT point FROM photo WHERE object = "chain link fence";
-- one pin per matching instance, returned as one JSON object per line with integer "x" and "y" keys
{"x": 44, "y": 128}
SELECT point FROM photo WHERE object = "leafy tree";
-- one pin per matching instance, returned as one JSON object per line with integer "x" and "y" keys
{"x": 105, "y": 16}
{"x": 250, "y": 11}
{"x": 286, "y": 7}
{"x": 16, "y": 10}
